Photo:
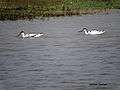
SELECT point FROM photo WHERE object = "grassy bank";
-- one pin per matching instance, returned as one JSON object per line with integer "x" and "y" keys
{"x": 33, "y": 8}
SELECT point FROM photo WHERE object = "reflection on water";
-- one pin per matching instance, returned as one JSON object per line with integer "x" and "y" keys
{"x": 63, "y": 59}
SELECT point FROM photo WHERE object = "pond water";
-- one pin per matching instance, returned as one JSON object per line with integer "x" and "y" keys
{"x": 62, "y": 59}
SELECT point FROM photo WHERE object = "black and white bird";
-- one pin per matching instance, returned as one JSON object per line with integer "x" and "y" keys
{"x": 27, "y": 35}
{"x": 92, "y": 32}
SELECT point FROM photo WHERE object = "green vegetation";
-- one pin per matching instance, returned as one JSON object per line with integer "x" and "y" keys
{"x": 22, "y": 9}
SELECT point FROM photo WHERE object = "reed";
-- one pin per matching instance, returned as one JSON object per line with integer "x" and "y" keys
{"x": 28, "y": 9}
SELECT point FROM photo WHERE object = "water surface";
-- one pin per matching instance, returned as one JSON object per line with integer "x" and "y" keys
{"x": 63, "y": 59}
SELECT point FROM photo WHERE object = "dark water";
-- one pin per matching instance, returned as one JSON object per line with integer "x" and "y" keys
{"x": 63, "y": 59}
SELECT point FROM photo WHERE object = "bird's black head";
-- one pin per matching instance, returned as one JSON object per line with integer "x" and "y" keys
{"x": 83, "y": 29}
{"x": 20, "y": 33}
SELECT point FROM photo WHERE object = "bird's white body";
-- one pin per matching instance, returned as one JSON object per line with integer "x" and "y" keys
{"x": 27, "y": 35}
{"x": 93, "y": 32}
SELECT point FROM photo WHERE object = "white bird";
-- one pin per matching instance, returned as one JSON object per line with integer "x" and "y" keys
{"x": 93, "y": 32}
{"x": 27, "y": 35}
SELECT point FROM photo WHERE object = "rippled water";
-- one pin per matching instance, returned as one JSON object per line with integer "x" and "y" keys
{"x": 63, "y": 59}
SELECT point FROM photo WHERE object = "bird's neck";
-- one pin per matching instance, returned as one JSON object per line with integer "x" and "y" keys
{"x": 86, "y": 32}
{"x": 23, "y": 34}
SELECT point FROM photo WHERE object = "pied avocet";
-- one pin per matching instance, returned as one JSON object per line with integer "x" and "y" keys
{"x": 92, "y": 32}
{"x": 26, "y": 35}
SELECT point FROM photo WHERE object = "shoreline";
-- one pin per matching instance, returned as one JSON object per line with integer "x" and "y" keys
{"x": 21, "y": 16}
{"x": 30, "y": 9}
{"x": 77, "y": 12}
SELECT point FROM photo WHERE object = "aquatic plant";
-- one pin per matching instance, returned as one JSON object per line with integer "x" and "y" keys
{"x": 20, "y": 9}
